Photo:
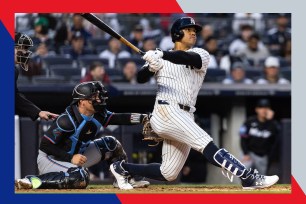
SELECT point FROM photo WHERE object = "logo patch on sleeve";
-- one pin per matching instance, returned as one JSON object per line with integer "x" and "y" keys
{"x": 56, "y": 132}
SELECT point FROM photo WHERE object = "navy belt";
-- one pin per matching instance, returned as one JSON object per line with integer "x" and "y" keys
{"x": 183, "y": 107}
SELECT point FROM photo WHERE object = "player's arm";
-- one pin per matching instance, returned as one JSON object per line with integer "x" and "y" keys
{"x": 181, "y": 57}
{"x": 124, "y": 118}
{"x": 59, "y": 130}
{"x": 144, "y": 74}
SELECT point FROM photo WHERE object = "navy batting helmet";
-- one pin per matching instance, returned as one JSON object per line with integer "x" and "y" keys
{"x": 181, "y": 23}
{"x": 89, "y": 91}
{"x": 22, "y": 43}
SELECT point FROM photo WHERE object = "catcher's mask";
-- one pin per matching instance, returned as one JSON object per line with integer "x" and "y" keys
{"x": 93, "y": 91}
{"x": 22, "y": 44}
{"x": 184, "y": 22}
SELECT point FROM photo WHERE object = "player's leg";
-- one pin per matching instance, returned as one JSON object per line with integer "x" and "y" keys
{"x": 261, "y": 163}
{"x": 174, "y": 123}
{"x": 47, "y": 163}
{"x": 174, "y": 155}
{"x": 73, "y": 178}
{"x": 108, "y": 148}
{"x": 51, "y": 174}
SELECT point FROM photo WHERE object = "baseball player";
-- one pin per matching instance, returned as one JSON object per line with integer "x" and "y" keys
{"x": 259, "y": 137}
{"x": 179, "y": 74}
{"x": 72, "y": 143}
{"x": 22, "y": 55}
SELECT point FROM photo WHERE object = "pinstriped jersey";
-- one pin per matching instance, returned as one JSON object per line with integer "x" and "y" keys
{"x": 181, "y": 83}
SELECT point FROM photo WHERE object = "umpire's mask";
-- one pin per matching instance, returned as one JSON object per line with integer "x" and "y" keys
{"x": 22, "y": 44}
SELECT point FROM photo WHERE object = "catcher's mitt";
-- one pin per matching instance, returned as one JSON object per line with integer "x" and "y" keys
{"x": 148, "y": 132}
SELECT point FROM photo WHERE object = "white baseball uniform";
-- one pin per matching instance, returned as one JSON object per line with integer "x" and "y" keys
{"x": 178, "y": 84}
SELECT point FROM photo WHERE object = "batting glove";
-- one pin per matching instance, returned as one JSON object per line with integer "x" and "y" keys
{"x": 156, "y": 65}
{"x": 159, "y": 52}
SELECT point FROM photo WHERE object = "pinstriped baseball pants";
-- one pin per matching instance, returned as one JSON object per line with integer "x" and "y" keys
{"x": 181, "y": 133}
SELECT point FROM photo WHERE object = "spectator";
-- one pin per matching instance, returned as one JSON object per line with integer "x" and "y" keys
{"x": 259, "y": 137}
{"x": 166, "y": 43}
{"x": 41, "y": 32}
{"x": 241, "y": 41}
{"x": 279, "y": 36}
{"x": 114, "y": 52}
{"x": 253, "y": 19}
{"x": 137, "y": 37}
{"x": 129, "y": 73}
{"x": 271, "y": 72}
{"x": 77, "y": 25}
{"x": 254, "y": 51}
{"x": 149, "y": 44}
{"x": 207, "y": 31}
{"x": 237, "y": 75}
{"x": 211, "y": 46}
{"x": 96, "y": 73}
{"x": 36, "y": 61}
{"x": 78, "y": 46}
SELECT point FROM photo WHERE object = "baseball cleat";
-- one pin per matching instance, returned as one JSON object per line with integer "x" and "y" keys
{"x": 121, "y": 175}
{"x": 254, "y": 180}
{"x": 23, "y": 184}
{"x": 134, "y": 183}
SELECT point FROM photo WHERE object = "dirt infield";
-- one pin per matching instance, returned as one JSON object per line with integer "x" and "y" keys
{"x": 169, "y": 189}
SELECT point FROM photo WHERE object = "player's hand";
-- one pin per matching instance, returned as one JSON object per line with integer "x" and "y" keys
{"x": 78, "y": 159}
{"x": 154, "y": 60}
{"x": 159, "y": 52}
{"x": 47, "y": 115}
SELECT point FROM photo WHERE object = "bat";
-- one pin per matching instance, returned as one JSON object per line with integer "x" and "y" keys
{"x": 103, "y": 26}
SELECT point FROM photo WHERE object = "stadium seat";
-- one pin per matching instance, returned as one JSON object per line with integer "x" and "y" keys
{"x": 55, "y": 60}
{"x": 66, "y": 72}
{"x": 286, "y": 73}
{"x": 122, "y": 61}
{"x": 215, "y": 75}
{"x": 94, "y": 42}
{"x": 49, "y": 80}
{"x": 253, "y": 73}
{"x": 87, "y": 60}
{"x": 65, "y": 50}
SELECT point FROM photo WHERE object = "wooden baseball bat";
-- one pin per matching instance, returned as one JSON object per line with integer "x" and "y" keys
{"x": 103, "y": 26}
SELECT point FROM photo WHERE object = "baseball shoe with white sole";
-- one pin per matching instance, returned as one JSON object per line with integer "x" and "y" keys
{"x": 29, "y": 182}
{"x": 121, "y": 175}
{"x": 254, "y": 180}
{"x": 135, "y": 183}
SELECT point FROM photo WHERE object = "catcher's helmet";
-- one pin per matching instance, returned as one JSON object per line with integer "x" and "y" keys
{"x": 181, "y": 23}
{"x": 22, "y": 43}
{"x": 89, "y": 91}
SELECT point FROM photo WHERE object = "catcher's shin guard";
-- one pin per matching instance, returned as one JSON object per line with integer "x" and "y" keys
{"x": 227, "y": 161}
{"x": 74, "y": 178}
{"x": 111, "y": 149}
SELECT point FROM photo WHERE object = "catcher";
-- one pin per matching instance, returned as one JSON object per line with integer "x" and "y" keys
{"x": 72, "y": 143}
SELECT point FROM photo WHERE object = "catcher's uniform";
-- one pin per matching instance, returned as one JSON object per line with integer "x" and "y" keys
{"x": 173, "y": 119}
{"x": 73, "y": 133}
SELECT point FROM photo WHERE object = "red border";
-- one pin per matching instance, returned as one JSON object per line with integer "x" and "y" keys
{"x": 7, "y": 10}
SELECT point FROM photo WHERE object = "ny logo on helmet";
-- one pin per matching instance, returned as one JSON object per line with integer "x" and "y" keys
{"x": 192, "y": 21}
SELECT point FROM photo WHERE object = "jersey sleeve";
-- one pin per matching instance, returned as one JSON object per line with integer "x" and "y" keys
{"x": 59, "y": 129}
{"x": 204, "y": 57}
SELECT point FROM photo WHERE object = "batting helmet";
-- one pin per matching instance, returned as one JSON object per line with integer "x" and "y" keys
{"x": 89, "y": 91}
{"x": 22, "y": 43}
{"x": 181, "y": 23}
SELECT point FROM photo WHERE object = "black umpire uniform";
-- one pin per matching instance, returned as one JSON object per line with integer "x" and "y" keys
{"x": 22, "y": 105}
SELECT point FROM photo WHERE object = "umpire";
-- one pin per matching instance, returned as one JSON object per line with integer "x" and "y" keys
{"x": 22, "y": 55}
{"x": 259, "y": 137}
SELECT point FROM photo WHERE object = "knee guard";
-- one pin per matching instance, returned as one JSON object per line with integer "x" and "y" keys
{"x": 111, "y": 149}
{"x": 74, "y": 178}
{"x": 229, "y": 162}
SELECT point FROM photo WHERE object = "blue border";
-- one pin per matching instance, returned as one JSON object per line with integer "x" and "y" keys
{"x": 7, "y": 190}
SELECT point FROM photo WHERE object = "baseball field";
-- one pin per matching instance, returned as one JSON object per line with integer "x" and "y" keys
{"x": 170, "y": 189}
